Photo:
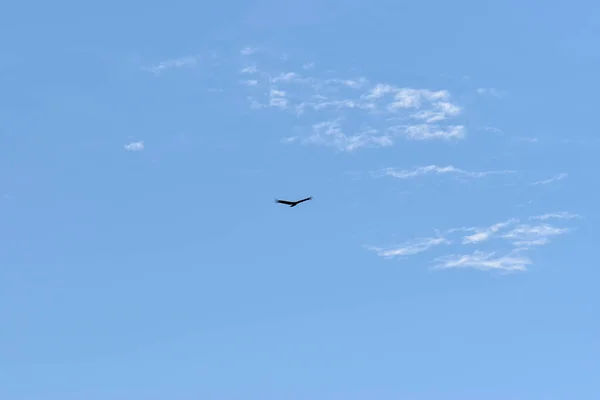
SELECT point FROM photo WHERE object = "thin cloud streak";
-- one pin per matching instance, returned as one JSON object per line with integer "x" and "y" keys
{"x": 173, "y": 63}
{"x": 484, "y": 261}
{"x": 435, "y": 170}
{"x": 412, "y": 247}
{"x": 491, "y": 91}
{"x": 557, "y": 215}
{"x": 555, "y": 178}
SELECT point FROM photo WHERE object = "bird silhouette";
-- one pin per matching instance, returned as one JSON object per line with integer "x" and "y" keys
{"x": 292, "y": 203}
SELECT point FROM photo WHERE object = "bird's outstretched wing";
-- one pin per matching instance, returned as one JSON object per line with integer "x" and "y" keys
{"x": 284, "y": 202}
{"x": 308, "y": 198}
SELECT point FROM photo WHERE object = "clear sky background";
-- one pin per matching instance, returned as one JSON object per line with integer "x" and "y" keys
{"x": 448, "y": 251}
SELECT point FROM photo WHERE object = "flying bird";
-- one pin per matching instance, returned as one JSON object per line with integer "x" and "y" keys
{"x": 292, "y": 203}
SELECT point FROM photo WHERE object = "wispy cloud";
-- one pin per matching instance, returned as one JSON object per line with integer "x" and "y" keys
{"x": 557, "y": 215}
{"x": 491, "y": 91}
{"x": 246, "y": 51}
{"x": 519, "y": 236}
{"x": 277, "y": 98}
{"x": 289, "y": 139}
{"x": 411, "y": 247}
{"x": 330, "y": 133}
{"x": 533, "y": 235}
{"x": 388, "y": 112}
{"x": 135, "y": 146}
{"x": 426, "y": 132}
{"x": 435, "y": 170}
{"x": 491, "y": 129}
{"x": 555, "y": 178}
{"x": 485, "y": 261}
{"x": 522, "y": 235}
{"x": 528, "y": 139}
{"x": 182, "y": 62}
{"x": 250, "y": 69}
{"x": 249, "y": 82}
{"x": 483, "y": 234}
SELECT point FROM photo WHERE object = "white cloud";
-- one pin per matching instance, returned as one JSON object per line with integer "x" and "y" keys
{"x": 485, "y": 261}
{"x": 434, "y": 169}
{"x": 277, "y": 98}
{"x": 491, "y": 91}
{"x": 379, "y": 91}
{"x": 440, "y": 112}
{"x": 533, "y": 235}
{"x": 135, "y": 146}
{"x": 557, "y": 215}
{"x": 285, "y": 77}
{"x": 387, "y": 112}
{"x": 249, "y": 82}
{"x": 350, "y": 83}
{"x": 555, "y": 178}
{"x": 491, "y": 129}
{"x": 251, "y": 69}
{"x": 412, "y": 247}
{"x": 427, "y": 132}
{"x": 409, "y": 98}
{"x": 528, "y": 139}
{"x": 483, "y": 234}
{"x": 320, "y": 104}
{"x": 330, "y": 133}
{"x": 521, "y": 237}
{"x": 246, "y": 51}
{"x": 289, "y": 139}
{"x": 173, "y": 63}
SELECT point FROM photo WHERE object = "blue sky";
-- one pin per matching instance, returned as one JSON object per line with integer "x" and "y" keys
{"x": 447, "y": 251}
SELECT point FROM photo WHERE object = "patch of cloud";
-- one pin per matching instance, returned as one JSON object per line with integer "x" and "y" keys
{"x": 246, "y": 51}
{"x": 483, "y": 234}
{"x": 527, "y": 203}
{"x": 249, "y": 82}
{"x": 250, "y": 69}
{"x": 533, "y": 235}
{"x": 330, "y": 133}
{"x": 386, "y": 112}
{"x": 183, "y": 62}
{"x": 435, "y": 170}
{"x": 411, "y": 247}
{"x": 427, "y": 132}
{"x": 277, "y": 98}
{"x": 485, "y": 261}
{"x": 528, "y": 139}
{"x": 289, "y": 139}
{"x": 555, "y": 178}
{"x": 556, "y": 215}
{"x": 520, "y": 237}
{"x": 135, "y": 146}
{"x": 491, "y": 91}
